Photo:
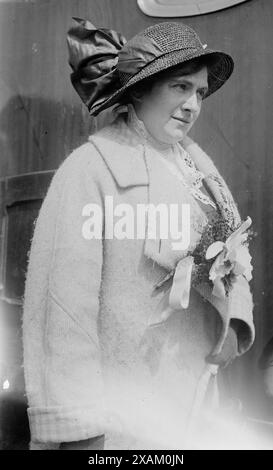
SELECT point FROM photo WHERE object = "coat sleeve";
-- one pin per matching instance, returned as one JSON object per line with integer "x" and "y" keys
{"x": 239, "y": 305}
{"x": 62, "y": 357}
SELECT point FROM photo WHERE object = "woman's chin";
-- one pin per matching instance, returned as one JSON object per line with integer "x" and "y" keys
{"x": 178, "y": 136}
{"x": 172, "y": 138}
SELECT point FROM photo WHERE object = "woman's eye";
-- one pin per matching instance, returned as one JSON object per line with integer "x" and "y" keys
{"x": 201, "y": 93}
{"x": 181, "y": 86}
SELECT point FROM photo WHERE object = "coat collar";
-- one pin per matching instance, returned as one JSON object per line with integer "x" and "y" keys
{"x": 123, "y": 154}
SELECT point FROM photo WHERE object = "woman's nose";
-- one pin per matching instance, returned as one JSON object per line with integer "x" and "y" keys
{"x": 192, "y": 103}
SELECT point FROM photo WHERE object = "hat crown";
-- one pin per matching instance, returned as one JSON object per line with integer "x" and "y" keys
{"x": 170, "y": 36}
{"x": 154, "y": 42}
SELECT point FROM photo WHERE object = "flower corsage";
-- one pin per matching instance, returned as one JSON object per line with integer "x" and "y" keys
{"x": 231, "y": 259}
{"x": 221, "y": 255}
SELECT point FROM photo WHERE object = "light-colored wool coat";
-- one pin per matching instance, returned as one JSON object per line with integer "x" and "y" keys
{"x": 94, "y": 362}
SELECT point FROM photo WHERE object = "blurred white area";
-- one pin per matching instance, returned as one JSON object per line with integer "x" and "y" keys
{"x": 6, "y": 385}
{"x": 141, "y": 422}
{"x": 213, "y": 431}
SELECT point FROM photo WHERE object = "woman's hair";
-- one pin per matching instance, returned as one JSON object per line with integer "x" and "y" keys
{"x": 186, "y": 68}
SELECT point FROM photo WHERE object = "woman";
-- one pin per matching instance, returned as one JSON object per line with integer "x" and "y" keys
{"x": 115, "y": 338}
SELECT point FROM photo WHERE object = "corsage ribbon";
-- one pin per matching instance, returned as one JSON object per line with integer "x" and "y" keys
{"x": 178, "y": 295}
{"x": 180, "y": 290}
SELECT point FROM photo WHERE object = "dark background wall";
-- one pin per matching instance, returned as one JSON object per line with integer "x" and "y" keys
{"x": 42, "y": 120}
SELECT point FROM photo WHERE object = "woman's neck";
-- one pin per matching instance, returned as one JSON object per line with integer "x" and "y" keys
{"x": 166, "y": 149}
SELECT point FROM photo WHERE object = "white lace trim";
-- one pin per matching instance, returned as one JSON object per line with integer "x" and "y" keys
{"x": 194, "y": 187}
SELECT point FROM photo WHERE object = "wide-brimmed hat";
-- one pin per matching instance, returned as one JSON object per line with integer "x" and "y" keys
{"x": 105, "y": 66}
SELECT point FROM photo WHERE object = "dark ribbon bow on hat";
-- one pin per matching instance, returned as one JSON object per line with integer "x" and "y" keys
{"x": 93, "y": 57}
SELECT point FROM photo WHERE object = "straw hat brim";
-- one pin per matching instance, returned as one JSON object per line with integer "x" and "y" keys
{"x": 218, "y": 73}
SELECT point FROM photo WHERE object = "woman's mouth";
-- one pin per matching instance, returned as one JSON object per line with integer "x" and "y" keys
{"x": 184, "y": 121}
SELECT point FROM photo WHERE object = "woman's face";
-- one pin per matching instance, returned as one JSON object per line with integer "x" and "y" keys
{"x": 172, "y": 106}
